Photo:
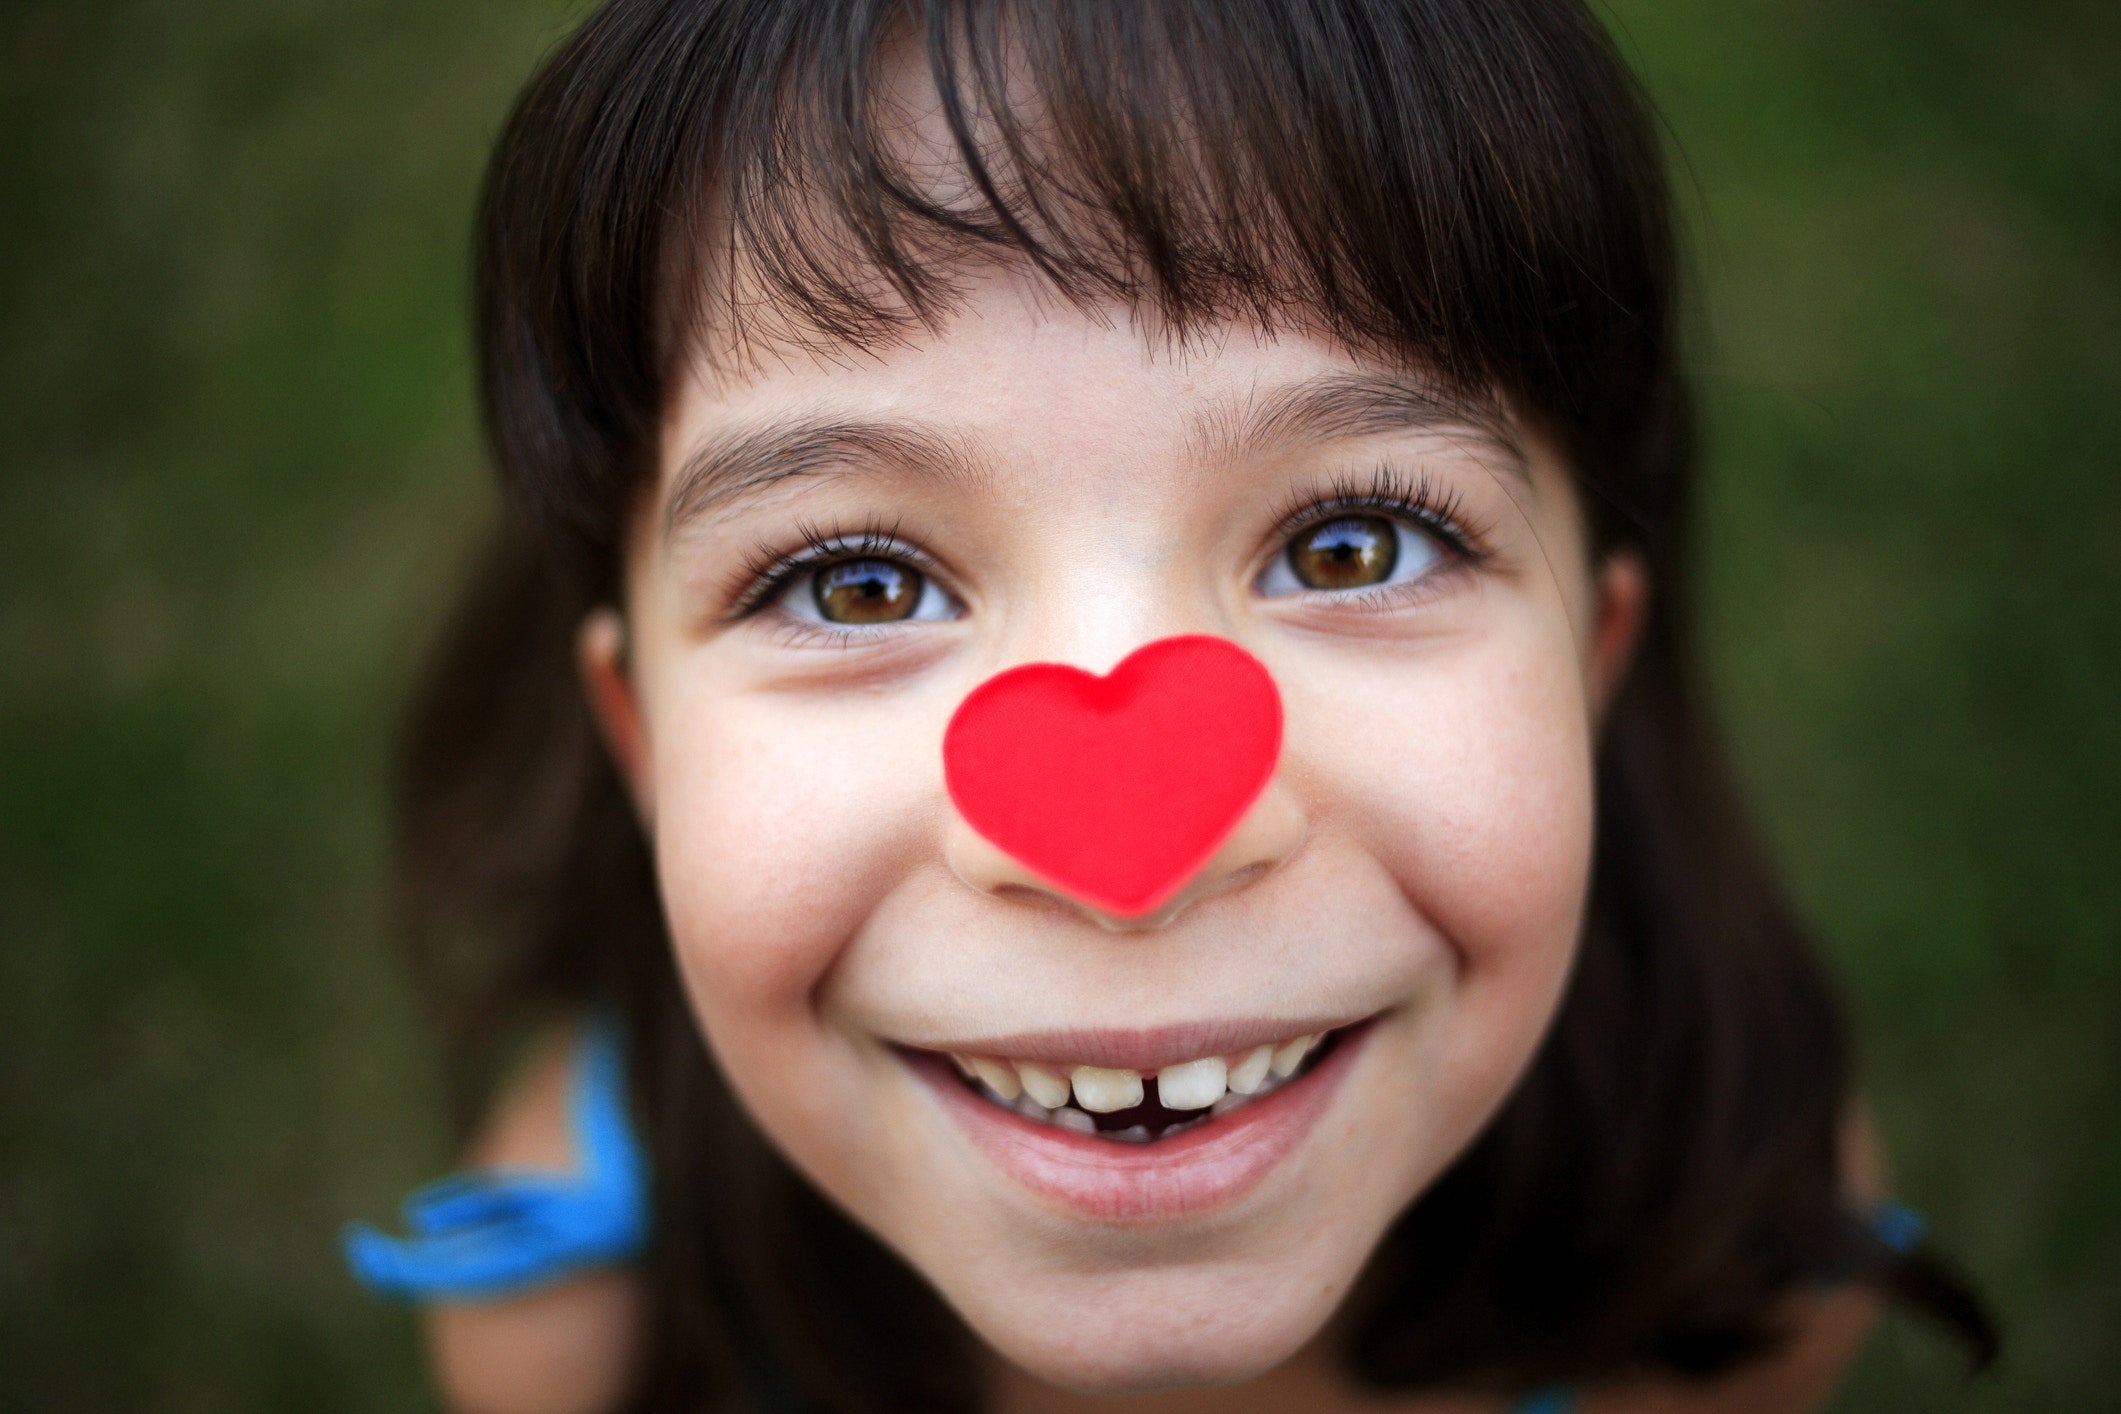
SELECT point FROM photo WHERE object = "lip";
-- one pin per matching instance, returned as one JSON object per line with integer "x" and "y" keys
{"x": 1137, "y": 1184}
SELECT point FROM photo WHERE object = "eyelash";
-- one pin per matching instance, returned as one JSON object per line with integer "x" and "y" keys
{"x": 1388, "y": 492}
{"x": 767, "y": 572}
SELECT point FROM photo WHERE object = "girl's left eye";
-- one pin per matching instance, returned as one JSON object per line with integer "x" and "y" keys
{"x": 1347, "y": 553}
{"x": 864, "y": 591}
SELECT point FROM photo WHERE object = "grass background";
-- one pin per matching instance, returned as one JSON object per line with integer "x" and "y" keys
{"x": 238, "y": 473}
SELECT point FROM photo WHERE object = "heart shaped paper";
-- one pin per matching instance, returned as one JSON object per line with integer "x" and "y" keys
{"x": 1117, "y": 789}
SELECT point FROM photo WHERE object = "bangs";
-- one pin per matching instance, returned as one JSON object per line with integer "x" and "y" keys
{"x": 1406, "y": 178}
{"x": 1470, "y": 187}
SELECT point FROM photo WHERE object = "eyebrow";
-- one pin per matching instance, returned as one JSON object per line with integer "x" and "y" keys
{"x": 741, "y": 463}
{"x": 1338, "y": 406}
{"x": 745, "y": 462}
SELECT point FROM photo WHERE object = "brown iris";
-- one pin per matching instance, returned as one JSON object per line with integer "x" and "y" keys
{"x": 1348, "y": 553}
{"x": 866, "y": 592}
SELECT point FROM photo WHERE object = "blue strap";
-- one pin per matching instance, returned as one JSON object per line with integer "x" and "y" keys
{"x": 501, "y": 1231}
{"x": 1898, "y": 1226}
{"x": 1555, "y": 1399}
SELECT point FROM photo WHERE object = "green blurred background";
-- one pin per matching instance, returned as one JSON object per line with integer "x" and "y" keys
{"x": 238, "y": 475}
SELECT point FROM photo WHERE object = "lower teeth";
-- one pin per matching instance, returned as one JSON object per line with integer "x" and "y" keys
{"x": 1069, "y": 1117}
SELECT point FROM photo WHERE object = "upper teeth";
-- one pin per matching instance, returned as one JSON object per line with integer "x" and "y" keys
{"x": 1250, "y": 1070}
{"x": 1189, "y": 1085}
{"x": 1192, "y": 1085}
{"x": 1103, "y": 1092}
{"x": 1043, "y": 1085}
{"x": 996, "y": 1077}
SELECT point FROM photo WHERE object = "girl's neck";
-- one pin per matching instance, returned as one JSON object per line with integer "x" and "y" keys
{"x": 1310, "y": 1380}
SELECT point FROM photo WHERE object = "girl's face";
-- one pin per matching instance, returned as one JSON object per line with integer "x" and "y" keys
{"x": 840, "y": 547}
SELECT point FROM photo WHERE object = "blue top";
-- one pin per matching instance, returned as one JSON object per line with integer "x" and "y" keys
{"x": 501, "y": 1231}
{"x": 1553, "y": 1400}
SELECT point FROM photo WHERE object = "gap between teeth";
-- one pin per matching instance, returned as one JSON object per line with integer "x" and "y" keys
{"x": 1212, "y": 1085}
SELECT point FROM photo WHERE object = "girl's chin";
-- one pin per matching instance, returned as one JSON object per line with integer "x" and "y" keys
{"x": 1150, "y": 1338}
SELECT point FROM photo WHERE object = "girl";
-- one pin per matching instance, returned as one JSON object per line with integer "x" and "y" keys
{"x": 840, "y": 355}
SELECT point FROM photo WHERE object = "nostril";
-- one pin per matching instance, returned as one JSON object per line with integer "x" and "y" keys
{"x": 1033, "y": 896}
{"x": 1245, "y": 875}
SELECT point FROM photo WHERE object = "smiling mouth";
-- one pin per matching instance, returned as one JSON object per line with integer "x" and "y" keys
{"x": 1141, "y": 1107}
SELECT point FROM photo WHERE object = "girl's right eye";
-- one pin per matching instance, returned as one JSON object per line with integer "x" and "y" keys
{"x": 1345, "y": 554}
{"x": 864, "y": 591}
{"x": 1352, "y": 552}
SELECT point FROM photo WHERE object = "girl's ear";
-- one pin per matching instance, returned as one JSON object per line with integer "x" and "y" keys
{"x": 600, "y": 657}
{"x": 1623, "y": 608}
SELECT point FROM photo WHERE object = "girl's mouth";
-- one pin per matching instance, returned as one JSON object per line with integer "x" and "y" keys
{"x": 1129, "y": 1146}
{"x": 1132, "y": 1107}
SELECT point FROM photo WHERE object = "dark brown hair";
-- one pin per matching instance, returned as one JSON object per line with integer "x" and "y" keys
{"x": 1472, "y": 188}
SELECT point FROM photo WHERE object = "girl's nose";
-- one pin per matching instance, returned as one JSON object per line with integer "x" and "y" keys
{"x": 1269, "y": 833}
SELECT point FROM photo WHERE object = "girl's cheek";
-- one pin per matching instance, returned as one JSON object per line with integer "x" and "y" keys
{"x": 1470, "y": 783}
{"x": 779, "y": 825}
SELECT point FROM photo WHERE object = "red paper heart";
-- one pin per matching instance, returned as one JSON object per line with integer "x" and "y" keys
{"x": 1117, "y": 789}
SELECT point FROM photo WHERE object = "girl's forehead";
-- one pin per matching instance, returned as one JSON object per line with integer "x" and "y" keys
{"x": 1012, "y": 345}
{"x": 1018, "y": 380}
